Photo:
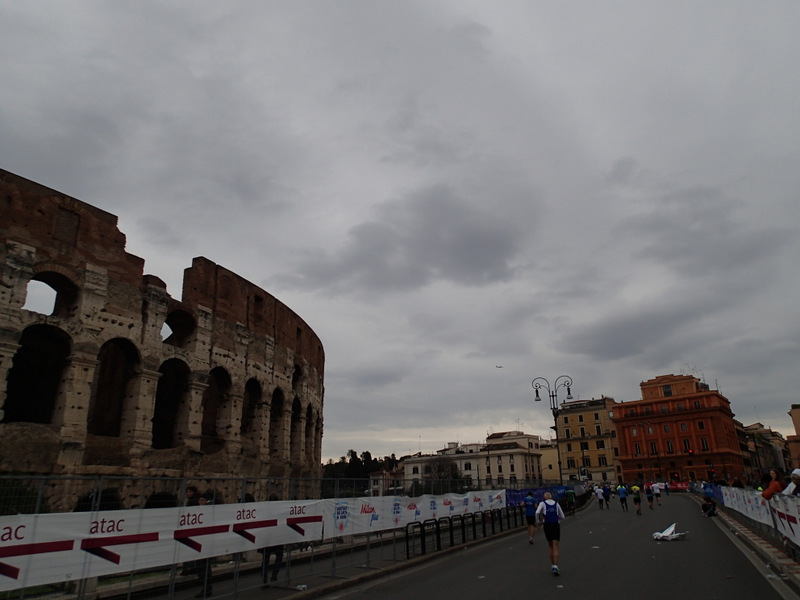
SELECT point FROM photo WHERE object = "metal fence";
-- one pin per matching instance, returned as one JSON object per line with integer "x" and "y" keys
{"x": 240, "y": 574}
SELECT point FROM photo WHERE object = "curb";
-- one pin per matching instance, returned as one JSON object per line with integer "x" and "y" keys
{"x": 775, "y": 559}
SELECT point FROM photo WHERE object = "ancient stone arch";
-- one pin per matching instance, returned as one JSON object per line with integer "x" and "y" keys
{"x": 234, "y": 388}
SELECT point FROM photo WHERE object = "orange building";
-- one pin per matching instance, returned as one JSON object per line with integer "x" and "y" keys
{"x": 679, "y": 431}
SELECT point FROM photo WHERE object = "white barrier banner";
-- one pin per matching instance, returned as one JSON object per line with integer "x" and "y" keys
{"x": 41, "y": 549}
{"x": 785, "y": 511}
{"x": 49, "y": 548}
{"x": 350, "y": 516}
{"x": 748, "y": 502}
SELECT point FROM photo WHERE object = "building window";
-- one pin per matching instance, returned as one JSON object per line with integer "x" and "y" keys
{"x": 634, "y": 432}
{"x": 663, "y": 408}
{"x": 680, "y": 405}
{"x": 499, "y": 468}
{"x": 601, "y": 444}
{"x": 468, "y": 466}
{"x": 637, "y": 449}
{"x": 511, "y": 468}
{"x": 704, "y": 443}
{"x": 584, "y": 446}
{"x": 631, "y": 412}
{"x": 597, "y": 430}
{"x": 684, "y": 427}
{"x": 415, "y": 470}
{"x": 670, "y": 449}
{"x": 587, "y": 461}
{"x": 567, "y": 434}
{"x": 647, "y": 410}
{"x": 653, "y": 450}
{"x": 602, "y": 461}
{"x": 571, "y": 463}
{"x": 650, "y": 430}
{"x": 566, "y": 420}
{"x": 697, "y": 403}
{"x": 666, "y": 428}
{"x": 569, "y": 446}
{"x": 701, "y": 425}
{"x": 583, "y": 432}
{"x": 666, "y": 390}
{"x": 580, "y": 418}
{"x": 686, "y": 445}
{"x": 596, "y": 416}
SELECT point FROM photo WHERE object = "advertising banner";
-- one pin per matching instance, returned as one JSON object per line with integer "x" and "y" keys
{"x": 50, "y": 548}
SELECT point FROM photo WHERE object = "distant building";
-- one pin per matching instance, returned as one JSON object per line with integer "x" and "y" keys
{"x": 587, "y": 439}
{"x": 507, "y": 459}
{"x": 679, "y": 431}
{"x": 793, "y": 441}
{"x": 770, "y": 447}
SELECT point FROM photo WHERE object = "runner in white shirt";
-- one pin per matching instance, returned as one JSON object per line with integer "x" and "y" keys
{"x": 549, "y": 512}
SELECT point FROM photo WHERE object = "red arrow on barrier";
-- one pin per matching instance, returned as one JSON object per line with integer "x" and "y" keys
{"x": 96, "y": 545}
{"x": 294, "y": 522}
{"x": 183, "y": 535}
{"x": 28, "y": 549}
{"x": 242, "y": 528}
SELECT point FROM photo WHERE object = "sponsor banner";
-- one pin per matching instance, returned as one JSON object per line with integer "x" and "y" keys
{"x": 748, "y": 502}
{"x": 49, "y": 548}
{"x": 785, "y": 512}
{"x": 43, "y": 549}
{"x": 351, "y": 516}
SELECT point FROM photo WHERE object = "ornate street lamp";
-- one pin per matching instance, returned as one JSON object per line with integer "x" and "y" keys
{"x": 562, "y": 381}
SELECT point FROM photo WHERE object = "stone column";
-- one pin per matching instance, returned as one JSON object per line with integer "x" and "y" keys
{"x": 190, "y": 414}
{"x": 298, "y": 442}
{"x": 7, "y": 352}
{"x": 137, "y": 420}
{"x": 72, "y": 406}
{"x": 231, "y": 424}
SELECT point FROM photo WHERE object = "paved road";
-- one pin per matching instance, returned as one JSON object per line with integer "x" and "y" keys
{"x": 604, "y": 554}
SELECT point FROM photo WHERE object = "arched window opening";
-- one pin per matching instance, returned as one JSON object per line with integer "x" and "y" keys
{"x": 214, "y": 397}
{"x": 33, "y": 381}
{"x": 40, "y": 298}
{"x": 118, "y": 364}
{"x": 297, "y": 378}
{"x": 51, "y": 293}
{"x": 276, "y": 434}
{"x": 170, "y": 393}
{"x": 178, "y": 326}
{"x": 252, "y": 400}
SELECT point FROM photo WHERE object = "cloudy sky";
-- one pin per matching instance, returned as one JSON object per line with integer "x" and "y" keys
{"x": 608, "y": 190}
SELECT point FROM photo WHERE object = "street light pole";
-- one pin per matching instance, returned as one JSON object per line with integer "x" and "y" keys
{"x": 562, "y": 381}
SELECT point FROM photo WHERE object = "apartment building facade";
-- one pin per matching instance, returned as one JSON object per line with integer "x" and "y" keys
{"x": 587, "y": 439}
{"x": 681, "y": 430}
{"x": 508, "y": 459}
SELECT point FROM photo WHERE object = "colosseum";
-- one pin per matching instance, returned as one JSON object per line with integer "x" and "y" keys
{"x": 120, "y": 379}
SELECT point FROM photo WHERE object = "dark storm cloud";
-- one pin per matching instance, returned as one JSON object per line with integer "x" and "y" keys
{"x": 432, "y": 234}
{"x": 701, "y": 233}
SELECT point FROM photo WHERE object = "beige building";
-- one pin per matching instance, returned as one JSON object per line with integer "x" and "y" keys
{"x": 587, "y": 439}
{"x": 506, "y": 459}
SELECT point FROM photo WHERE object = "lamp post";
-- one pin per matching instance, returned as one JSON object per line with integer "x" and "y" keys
{"x": 562, "y": 381}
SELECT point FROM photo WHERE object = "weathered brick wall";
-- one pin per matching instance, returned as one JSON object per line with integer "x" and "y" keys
{"x": 237, "y": 390}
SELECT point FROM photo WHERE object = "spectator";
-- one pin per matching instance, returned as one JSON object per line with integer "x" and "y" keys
{"x": 793, "y": 489}
{"x": 774, "y": 484}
